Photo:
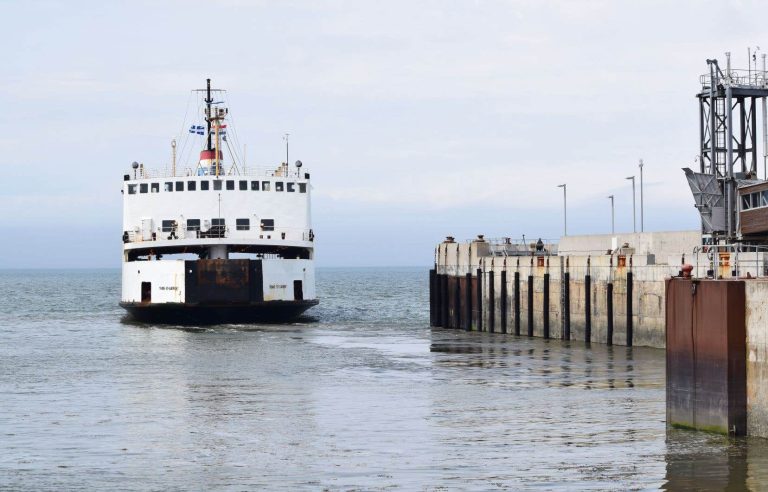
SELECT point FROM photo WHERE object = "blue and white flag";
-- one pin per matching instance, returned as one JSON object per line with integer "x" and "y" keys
{"x": 200, "y": 130}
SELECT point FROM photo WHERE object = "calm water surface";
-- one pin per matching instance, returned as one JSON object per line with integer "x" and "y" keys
{"x": 362, "y": 396}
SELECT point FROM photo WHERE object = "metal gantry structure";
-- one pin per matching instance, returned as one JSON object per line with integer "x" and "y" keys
{"x": 728, "y": 144}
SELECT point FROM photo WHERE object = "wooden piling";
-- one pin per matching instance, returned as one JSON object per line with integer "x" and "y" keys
{"x": 491, "y": 301}
{"x": 587, "y": 308}
{"x": 468, "y": 302}
{"x": 566, "y": 309}
{"x": 503, "y": 300}
{"x": 517, "y": 303}
{"x": 609, "y": 312}
{"x": 629, "y": 309}
{"x": 545, "y": 311}
{"x": 456, "y": 302}
{"x": 444, "y": 302}
{"x": 432, "y": 296}
{"x": 530, "y": 305}
{"x": 479, "y": 300}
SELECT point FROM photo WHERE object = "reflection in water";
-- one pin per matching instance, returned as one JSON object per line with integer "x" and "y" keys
{"x": 702, "y": 461}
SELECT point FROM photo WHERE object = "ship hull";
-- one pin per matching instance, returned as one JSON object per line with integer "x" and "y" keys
{"x": 197, "y": 314}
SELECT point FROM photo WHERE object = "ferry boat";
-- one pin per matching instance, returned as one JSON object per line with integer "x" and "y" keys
{"x": 217, "y": 242}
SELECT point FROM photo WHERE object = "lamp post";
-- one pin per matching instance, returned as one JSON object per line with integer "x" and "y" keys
{"x": 634, "y": 213}
{"x": 613, "y": 228}
{"x": 642, "y": 222}
{"x": 565, "y": 210}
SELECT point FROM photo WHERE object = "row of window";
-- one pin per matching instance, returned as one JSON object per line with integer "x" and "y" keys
{"x": 230, "y": 184}
{"x": 754, "y": 200}
{"x": 218, "y": 223}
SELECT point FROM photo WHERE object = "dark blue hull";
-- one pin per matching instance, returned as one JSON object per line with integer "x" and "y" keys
{"x": 212, "y": 314}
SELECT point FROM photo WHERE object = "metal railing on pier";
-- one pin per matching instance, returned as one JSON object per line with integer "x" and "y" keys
{"x": 730, "y": 260}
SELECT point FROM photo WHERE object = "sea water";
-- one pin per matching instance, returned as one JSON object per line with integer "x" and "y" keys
{"x": 360, "y": 395}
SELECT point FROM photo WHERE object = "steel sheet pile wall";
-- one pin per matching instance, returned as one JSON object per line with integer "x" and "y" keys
{"x": 706, "y": 355}
{"x": 603, "y": 299}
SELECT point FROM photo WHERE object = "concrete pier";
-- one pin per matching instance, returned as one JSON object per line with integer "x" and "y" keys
{"x": 588, "y": 291}
{"x": 598, "y": 288}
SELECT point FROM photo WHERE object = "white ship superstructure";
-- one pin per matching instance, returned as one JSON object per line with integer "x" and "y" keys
{"x": 217, "y": 242}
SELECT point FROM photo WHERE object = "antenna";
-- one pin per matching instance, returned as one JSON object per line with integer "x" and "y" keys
{"x": 285, "y": 137}
{"x": 173, "y": 152}
{"x": 208, "y": 101}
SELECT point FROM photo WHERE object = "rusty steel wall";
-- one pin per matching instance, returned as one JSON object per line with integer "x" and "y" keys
{"x": 706, "y": 355}
{"x": 228, "y": 281}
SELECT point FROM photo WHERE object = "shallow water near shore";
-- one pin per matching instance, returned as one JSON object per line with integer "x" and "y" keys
{"x": 361, "y": 395}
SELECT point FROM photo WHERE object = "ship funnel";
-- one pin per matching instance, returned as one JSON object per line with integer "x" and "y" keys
{"x": 208, "y": 161}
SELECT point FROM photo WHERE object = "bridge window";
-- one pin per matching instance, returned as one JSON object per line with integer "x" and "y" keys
{"x": 254, "y": 186}
{"x": 230, "y": 184}
{"x": 265, "y": 186}
{"x": 191, "y": 185}
{"x": 179, "y": 185}
{"x": 267, "y": 224}
{"x": 131, "y": 189}
{"x": 143, "y": 187}
{"x": 154, "y": 188}
{"x": 243, "y": 185}
{"x": 217, "y": 185}
{"x": 168, "y": 186}
{"x": 302, "y": 187}
{"x": 290, "y": 187}
{"x": 193, "y": 224}
{"x": 278, "y": 186}
{"x": 243, "y": 224}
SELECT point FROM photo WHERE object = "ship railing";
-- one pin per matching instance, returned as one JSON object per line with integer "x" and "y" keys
{"x": 227, "y": 171}
{"x": 216, "y": 232}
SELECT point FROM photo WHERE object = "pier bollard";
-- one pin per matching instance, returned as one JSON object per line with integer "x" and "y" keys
{"x": 587, "y": 308}
{"x": 503, "y": 300}
{"x": 566, "y": 310}
{"x": 491, "y": 302}
{"x": 432, "y": 281}
{"x": 516, "y": 306}
{"x": 468, "y": 302}
{"x": 609, "y": 312}
{"x": 545, "y": 310}
{"x": 530, "y": 305}
{"x": 479, "y": 300}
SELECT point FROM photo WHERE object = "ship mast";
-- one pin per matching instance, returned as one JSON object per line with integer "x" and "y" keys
{"x": 208, "y": 101}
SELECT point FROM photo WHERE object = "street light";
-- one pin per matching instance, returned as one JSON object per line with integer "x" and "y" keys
{"x": 642, "y": 222}
{"x": 634, "y": 213}
{"x": 613, "y": 228}
{"x": 565, "y": 211}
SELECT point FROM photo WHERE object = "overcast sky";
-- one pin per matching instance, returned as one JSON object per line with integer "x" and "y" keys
{"x": 416, "y": 119}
